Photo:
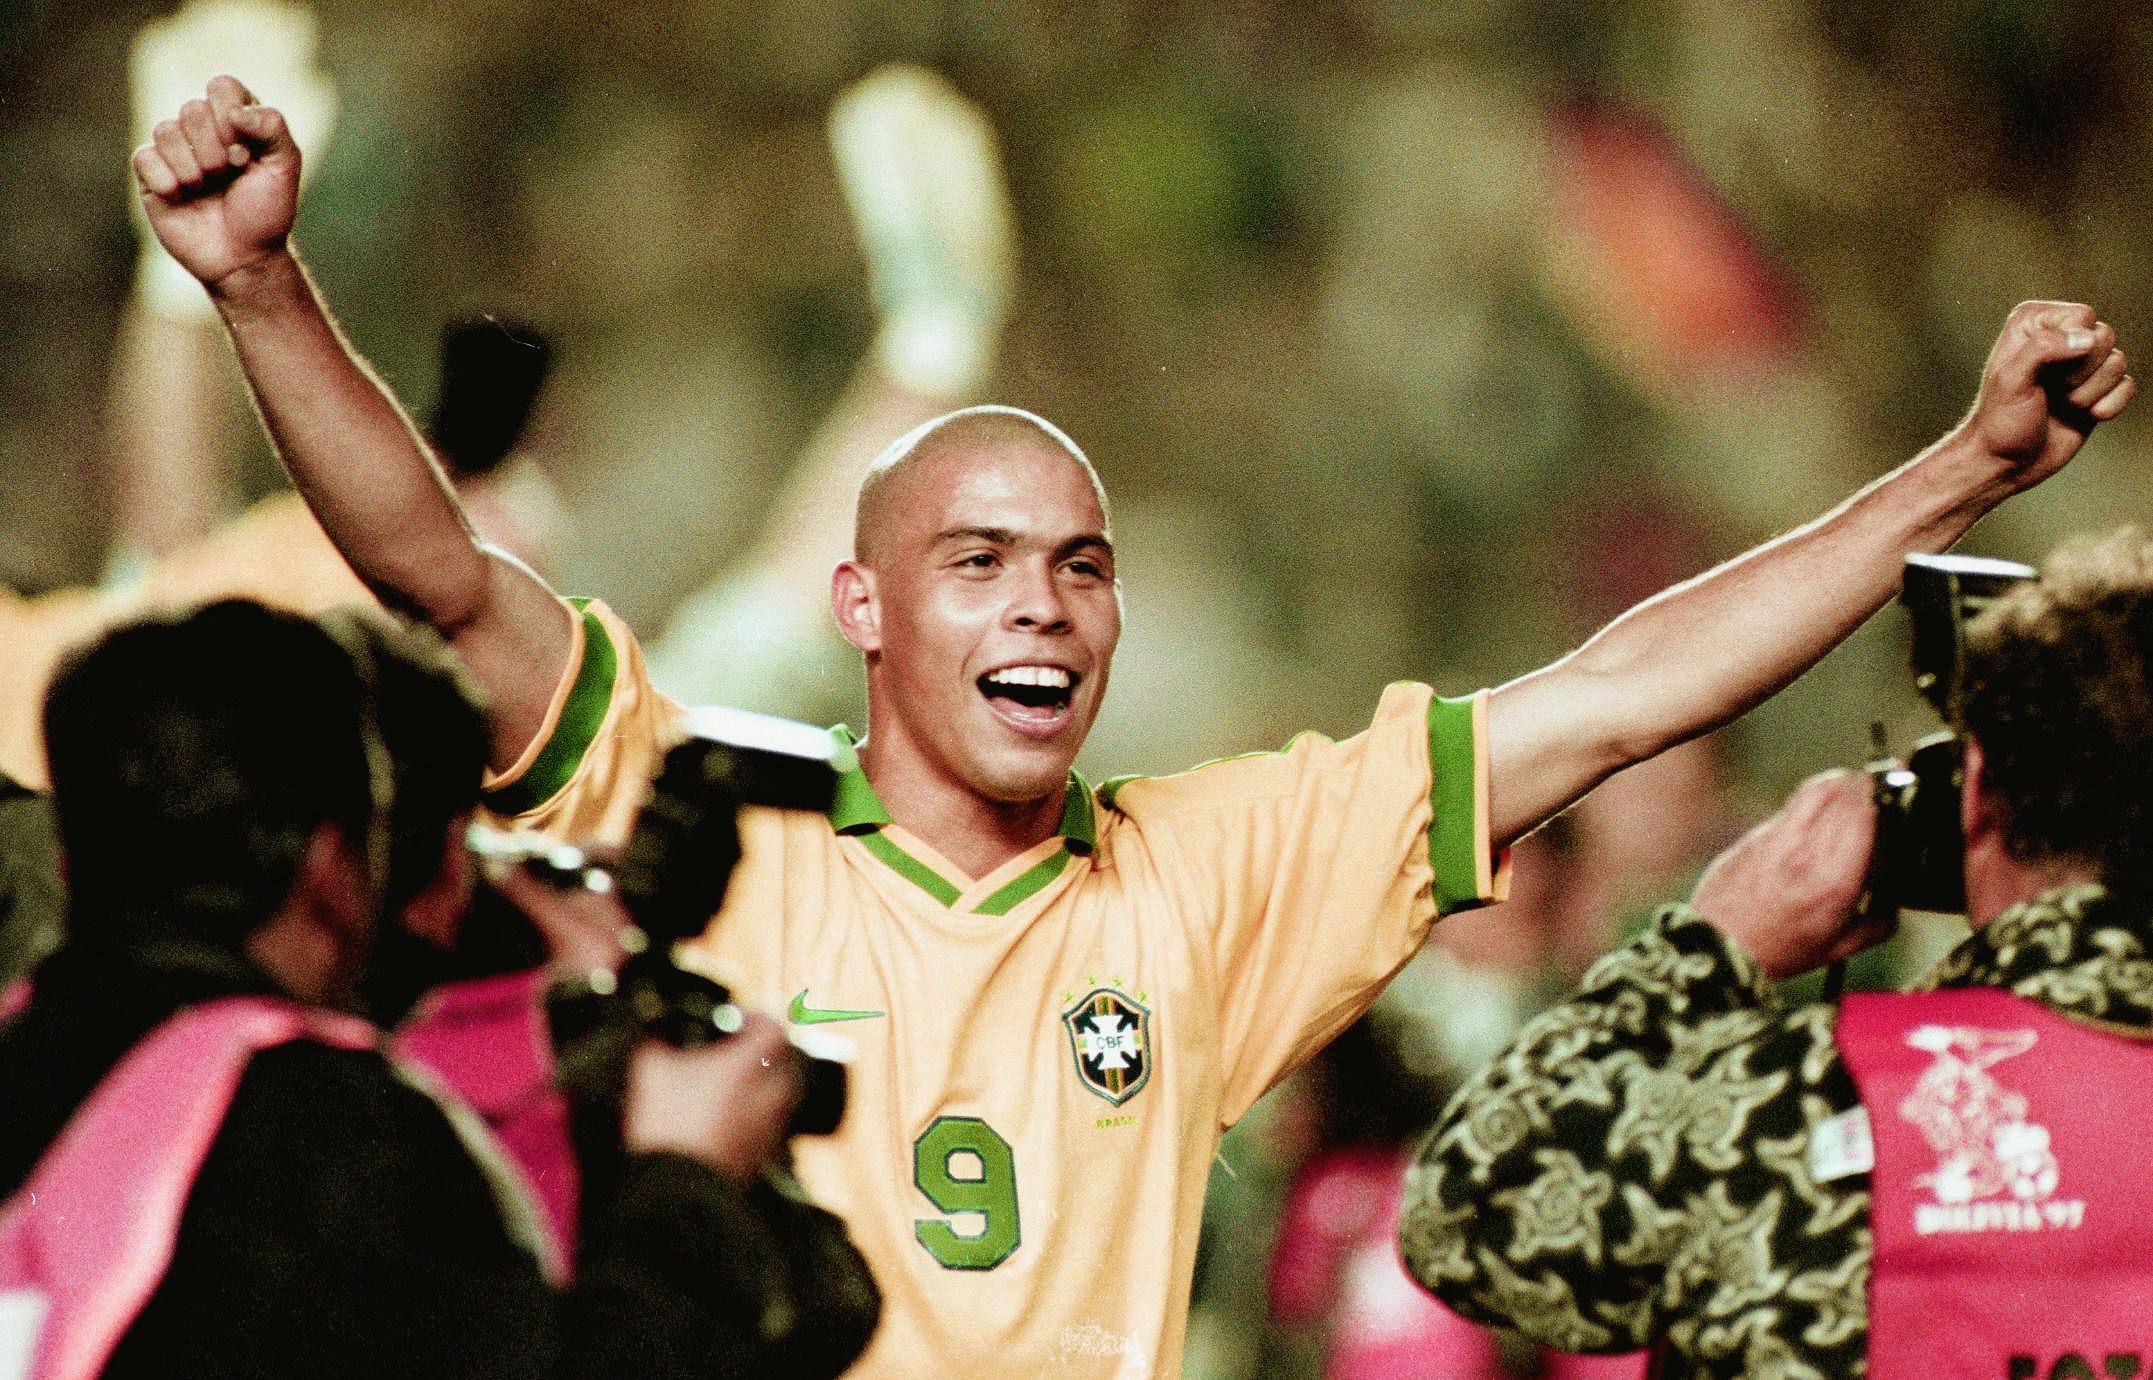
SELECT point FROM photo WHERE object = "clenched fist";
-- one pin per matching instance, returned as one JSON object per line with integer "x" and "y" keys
{"x": 220, "y": 183}
{"x": 2052, "y": 375}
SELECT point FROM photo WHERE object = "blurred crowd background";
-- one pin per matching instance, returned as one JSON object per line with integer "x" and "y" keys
{"x": 1412, "y": 341}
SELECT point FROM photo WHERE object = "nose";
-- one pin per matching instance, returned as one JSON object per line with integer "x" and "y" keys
{"x": 1036, "y": 603}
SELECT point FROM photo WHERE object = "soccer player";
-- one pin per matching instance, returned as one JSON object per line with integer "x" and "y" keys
{"x": 1060, "y": 995}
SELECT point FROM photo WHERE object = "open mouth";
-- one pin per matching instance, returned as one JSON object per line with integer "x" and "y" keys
{"x": 1030, "y": 694}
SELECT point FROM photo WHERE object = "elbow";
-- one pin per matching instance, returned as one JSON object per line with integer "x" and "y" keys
{"x": 1435, "y": 1239}
{"x": 1624, "y": 716}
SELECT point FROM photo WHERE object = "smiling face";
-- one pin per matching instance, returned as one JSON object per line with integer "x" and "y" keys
{"x": 984, "y": 597}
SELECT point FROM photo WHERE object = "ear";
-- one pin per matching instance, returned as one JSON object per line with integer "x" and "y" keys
{"x": 1979, "y": 821}
{"x": 854, "y": 601}
{"x": 332, "y": 880}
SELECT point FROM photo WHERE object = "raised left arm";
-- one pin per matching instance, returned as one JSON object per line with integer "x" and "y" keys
{"x": 1696, "y": 656}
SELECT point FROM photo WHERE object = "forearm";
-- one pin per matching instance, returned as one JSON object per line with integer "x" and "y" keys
{"x": 759, "y": 634}
{"x": 349, "y": 448}
{"x": 1514, "y": 1208}
{"x": 1705, "y": 652}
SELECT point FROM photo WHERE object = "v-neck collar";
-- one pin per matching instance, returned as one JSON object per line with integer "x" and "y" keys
{"x": 856, "y": 810}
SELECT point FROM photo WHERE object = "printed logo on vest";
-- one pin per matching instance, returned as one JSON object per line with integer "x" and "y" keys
{"x": 1994, "y": 1170}
{"x": 1110, "y": 1036}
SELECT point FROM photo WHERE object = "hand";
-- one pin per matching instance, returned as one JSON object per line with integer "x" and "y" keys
{"x": 582, "y": 928}
{"x": 2053, "y": 374}
{"x": 220, "y": 184}
{"x": 1785, "y": 891}
{"x": 727, "y": 1104}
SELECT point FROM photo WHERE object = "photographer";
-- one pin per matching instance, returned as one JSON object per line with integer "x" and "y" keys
{"x": 212, "y": 1167}
{"x": 1942, "y": 1182}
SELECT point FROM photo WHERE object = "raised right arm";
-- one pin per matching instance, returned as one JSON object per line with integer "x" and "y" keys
{"x": 220, "y": 185}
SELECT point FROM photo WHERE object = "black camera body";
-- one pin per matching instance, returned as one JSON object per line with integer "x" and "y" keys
{"x": 1917, "y": 860}
{"x": 672, "y": 877}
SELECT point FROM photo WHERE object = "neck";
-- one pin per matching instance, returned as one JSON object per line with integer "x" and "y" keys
{"x": 291, "y": 952}
{"x": 975, "y": 833}
{"x": 1996, "y": 881}
{"x": 298, "y": 949}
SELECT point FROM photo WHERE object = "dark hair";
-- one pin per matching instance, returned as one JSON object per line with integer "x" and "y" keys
{"x": 2057, "y": 687}
{"x": 434, "y": 733}
{"x": 192, "y": 757}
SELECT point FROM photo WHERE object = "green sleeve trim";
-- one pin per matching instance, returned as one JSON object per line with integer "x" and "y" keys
{"x": 909, "y": 867}
{"x": 588, "y": 700}
{"x": 1026, "y": 886}
{"x": 1454, "y": 794}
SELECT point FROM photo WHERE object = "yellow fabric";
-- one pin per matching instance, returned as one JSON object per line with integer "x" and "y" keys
{"x": 1252, "y": 907}
{"x": 275, "y": 552}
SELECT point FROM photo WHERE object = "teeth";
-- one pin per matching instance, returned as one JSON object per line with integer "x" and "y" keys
{"x": 1053, "y": 677}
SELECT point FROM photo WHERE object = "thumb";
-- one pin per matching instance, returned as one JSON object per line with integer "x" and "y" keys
{"x": 264, "y": 128}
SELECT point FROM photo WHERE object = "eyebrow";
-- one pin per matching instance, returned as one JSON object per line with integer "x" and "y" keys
{"x": 1003, "y": 536}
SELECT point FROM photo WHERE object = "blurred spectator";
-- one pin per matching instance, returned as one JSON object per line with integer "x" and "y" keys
{"x": 1336, "y": 1283}
{"x": 923, "y": 180}
{"x": 491, "y": 373}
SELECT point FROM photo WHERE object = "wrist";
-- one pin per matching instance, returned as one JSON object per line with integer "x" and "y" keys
{"x": 1731, "y": 963}
{"x": 271, "y": 282}
{"x": 1963, "y": 479}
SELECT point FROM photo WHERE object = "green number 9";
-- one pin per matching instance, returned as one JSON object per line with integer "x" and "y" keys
{"x": 991, "y": 1192}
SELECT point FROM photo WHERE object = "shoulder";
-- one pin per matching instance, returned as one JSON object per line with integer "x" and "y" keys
{"x": 339, "y": 1103}
{"x": 335, "y": 1148}
{"x": 1409, "y": 720}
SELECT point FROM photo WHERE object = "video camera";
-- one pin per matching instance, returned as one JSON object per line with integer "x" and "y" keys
{"x": 672, "y": 877}
{"x": 1916, "y": 863}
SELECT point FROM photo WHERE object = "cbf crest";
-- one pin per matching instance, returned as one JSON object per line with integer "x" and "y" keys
{"x": 1110, "y": 1037}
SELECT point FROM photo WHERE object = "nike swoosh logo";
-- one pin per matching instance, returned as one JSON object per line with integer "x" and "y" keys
{"x": 800, "y": 1013}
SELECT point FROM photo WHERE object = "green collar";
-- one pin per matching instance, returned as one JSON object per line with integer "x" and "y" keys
{"x": 857, "y": 809}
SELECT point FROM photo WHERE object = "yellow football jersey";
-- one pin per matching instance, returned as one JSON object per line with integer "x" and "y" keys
{"x": 1048, "y": 1055}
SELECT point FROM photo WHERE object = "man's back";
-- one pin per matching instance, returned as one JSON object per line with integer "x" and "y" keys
{"x": 337, "y": 1192}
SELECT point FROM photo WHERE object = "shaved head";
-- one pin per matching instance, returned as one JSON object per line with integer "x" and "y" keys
{"x": 970, "y": 430}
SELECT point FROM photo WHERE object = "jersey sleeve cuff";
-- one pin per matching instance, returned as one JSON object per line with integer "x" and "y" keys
{"x": 573, "y": 718}
{"x": 1469, "y": 870}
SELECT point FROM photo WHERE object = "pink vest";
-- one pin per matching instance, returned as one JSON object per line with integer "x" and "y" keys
{"x": 487, "y": 1041}
{"x": 2013, "y": 1187}
{"x": 86, "y": 1239}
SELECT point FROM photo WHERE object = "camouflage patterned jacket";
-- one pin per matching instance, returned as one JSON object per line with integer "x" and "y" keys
{"x": 1634, "y": 1167}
